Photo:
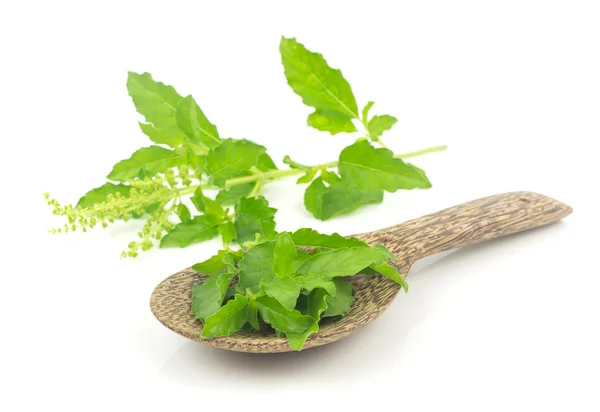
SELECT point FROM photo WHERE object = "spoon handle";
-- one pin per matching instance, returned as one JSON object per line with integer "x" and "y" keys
{"x": 483, "y": 219}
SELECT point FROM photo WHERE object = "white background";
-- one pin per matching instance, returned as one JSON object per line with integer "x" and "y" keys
{"x": 513, "y": 87}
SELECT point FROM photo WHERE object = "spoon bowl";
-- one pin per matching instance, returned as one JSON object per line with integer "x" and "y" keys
{"x": 461, "y": 225}
{"x": 171, "y": 302}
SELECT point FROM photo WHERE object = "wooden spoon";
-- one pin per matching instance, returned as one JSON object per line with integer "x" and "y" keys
{"x": 461, "y": 225}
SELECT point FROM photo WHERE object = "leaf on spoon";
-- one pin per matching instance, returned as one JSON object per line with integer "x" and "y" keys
{"x": 207, "y": 297}
{"x": 316, "y": 304}
{"x": 215, "y": 263}
{"x": 227, "y": 320}
{"x": 311, "y": 281}
{"x": 339, "y": 304}
{"x": 284, "y": 255}
{"x": 311, "y": 238}
{"x": 341, "y": 262}
{"x": 280, "y": 318}
{"x": 256, "y": 265}
{"x": 285, "y": 290}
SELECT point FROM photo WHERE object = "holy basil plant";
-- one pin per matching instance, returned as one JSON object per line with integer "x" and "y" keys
{"x": 288, "y": 284}
{"x": 166, "y": 182}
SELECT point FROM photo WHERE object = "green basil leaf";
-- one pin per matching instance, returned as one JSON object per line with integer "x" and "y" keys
{"x": 385, "y": 251}
{"x": 213, "y": 208}
{"x": 198, "y": 199}
{"x": 208, "y": 206}
{"x": 199, "y": 229}
{"x": 207, "y": 297}
{"x": 265, "y": 163}
{"x": 252, "y": 216}
{"x": 231, "y": 158}
{"x": 332, "y": 122}
{"x": 365, "y": 112}
{"x": 341, "y": 262}
{"x": 227, "y": 231}
{"x": 307, "y": 178}
{"x": 228, "y": 320}
{"x": 344, "y": 197}
{"x": 256, "y": 265}
{"x": 369, "y": 271}
{"x": 231, "y": 291}
{"x": 313, "y": 198}
{"x": 331, "y": 178}
{"x": 156, "y": 102}
{"x": 161, "y": 136}
{"x": 319, "y": 86}
{"x": 379, "y": 124}
{"x": 314, "y": 306}
{"x": 339, "y": 304}
{"x": 199, "y": 162}
{"x": 301, "y": 257}
{"x": 280, "y": 318}
{"x": 311, "y": 281}
{"x": 369, "y": 169}
{"x": 215, "y": 263}
{"x": 196, "y": 162}
{"x": 234, "y": 193}
{"x": 183, "y": 212}
{"x": 230, "y": 260}
{"x": 390, "y": 272}
{"x": 253, "y": 314}
{"x": 100, "y": 193}
{"x": 192, "y": 120}
{"x": 284, "y": 255}
{"x": 285, "y": 290}
{"x": 145, "y": 162}
{"x": 311, "y": 238}
{"x": 325, "y": 202}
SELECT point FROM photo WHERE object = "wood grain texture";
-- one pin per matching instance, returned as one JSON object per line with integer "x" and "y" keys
{"x": 462, "y": 225}
{"x": 472, "y": 222}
